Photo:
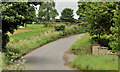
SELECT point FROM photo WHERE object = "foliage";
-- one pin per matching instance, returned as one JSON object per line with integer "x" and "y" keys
{"x": 60, "y": 27}
{"x": 73, "y": 29}
{"x": 31, "y": 17}
{"x": 67, "y": 15}
{"x": 18, "y": 64}
{"x": 47, "y": 24}
{"x": 115, "y": 29}
{"x": 98, "y": 19}
{"x": 81, "y": 46}
{"x": 95, "y": 62}
{"x": 86, "y": 61}
{"x": 103, "y": 40}
{"x": 11, "y": 17}
{"x": 14, "y": 14}
{"x": 18, "y": 42}
{"x": 47, "y": 11}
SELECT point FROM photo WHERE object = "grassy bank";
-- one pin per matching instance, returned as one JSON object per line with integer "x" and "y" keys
{"x": 21, "y": 43}
{"x": 82, "y": 46}
{"x": 95, "y": 62}
{"x": 86, "y": 61}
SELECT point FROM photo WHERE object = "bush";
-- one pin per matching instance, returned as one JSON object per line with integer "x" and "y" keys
{"x": 60, "y": 27}
{"x": 102, "y": 40}
{"x": 47, "y": 24}
{"x": 74, "y": 30}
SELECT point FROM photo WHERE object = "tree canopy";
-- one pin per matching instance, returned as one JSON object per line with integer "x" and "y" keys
{"x": 14, "y": 14}
{"x": 67, "y": 15}
{"x": 100, "y": 20}
{"x": 47, "y": 11}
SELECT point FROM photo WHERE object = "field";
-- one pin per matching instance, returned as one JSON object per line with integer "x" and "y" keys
{"x": 32, "y": 31}
{"x": 86, "y": 61}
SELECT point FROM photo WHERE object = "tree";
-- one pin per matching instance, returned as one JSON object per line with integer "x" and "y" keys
{"x": 102, "y": 22}
{"x": 47, "y": 11}
{"x": 31, "y": 17}
{"x": 115, "y": 36}
{"x": 67, "y": 15}
{"x": 98, "y": 17}
{"x": 13, "y": 14}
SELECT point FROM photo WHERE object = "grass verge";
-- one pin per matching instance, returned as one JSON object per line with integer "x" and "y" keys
{"x": 86, "y": 61}
{"x": 95, "y": 62}
{"x": 82, "y": 46}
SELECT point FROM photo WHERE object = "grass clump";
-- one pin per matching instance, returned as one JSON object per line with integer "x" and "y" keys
{"x": 95, "y": 62}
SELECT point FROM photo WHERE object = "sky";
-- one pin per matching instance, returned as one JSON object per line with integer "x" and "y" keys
{"x": 61, "y": 4}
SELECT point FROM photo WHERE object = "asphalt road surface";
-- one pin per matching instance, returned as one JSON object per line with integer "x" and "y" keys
{"x": 50, "y": 56}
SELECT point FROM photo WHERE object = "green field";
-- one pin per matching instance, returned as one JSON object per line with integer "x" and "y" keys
{"x": 86, "y": 61}
{"x": 35, "y": 29}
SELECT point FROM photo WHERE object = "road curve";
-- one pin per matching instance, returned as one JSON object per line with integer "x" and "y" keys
{"x": 50, "y": 56}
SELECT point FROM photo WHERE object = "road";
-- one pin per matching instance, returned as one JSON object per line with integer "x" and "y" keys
{"x": 50, "y": 56}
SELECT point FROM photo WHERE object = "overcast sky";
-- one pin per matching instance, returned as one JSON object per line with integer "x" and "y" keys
{"x": 61, "y": 4}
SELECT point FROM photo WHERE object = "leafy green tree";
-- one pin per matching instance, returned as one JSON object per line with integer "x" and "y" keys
{"x": 13, "y": 14}
{"x": 11, "y": 17}
{"x": 31, "y": 15}
{"x": 101, "y": 19}
{"x": 115, "y": 36}
{"x": 47, "y": 11}
{"x": 67, "y": 15}
{"x": 98, "y": 17}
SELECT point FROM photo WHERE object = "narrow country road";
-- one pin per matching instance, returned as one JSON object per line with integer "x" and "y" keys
{"x": 50, "y": 56}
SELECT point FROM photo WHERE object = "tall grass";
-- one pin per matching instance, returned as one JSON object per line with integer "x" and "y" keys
{"x": 86, "y": 61}
{"x": 3, "y": 61}
{"x": 95, "y": 62}
{"x": 82, "y": 46}
{"x": 22, "y": 43}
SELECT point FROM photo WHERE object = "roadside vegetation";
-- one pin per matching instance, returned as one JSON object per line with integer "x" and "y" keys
{"x": 99, "y": 19}
{"x": 86, "y": 61}
{"x": 82, "y": 46}
{"x": 22, "y": 43}
{"x": 95, "y": 62}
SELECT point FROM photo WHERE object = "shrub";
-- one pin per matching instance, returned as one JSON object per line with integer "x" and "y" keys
{"x": 60, "y": 27}
{"x": 47, "y": 24}
{"x": 102, "y": 40}
{"x": 74, "y": 30}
